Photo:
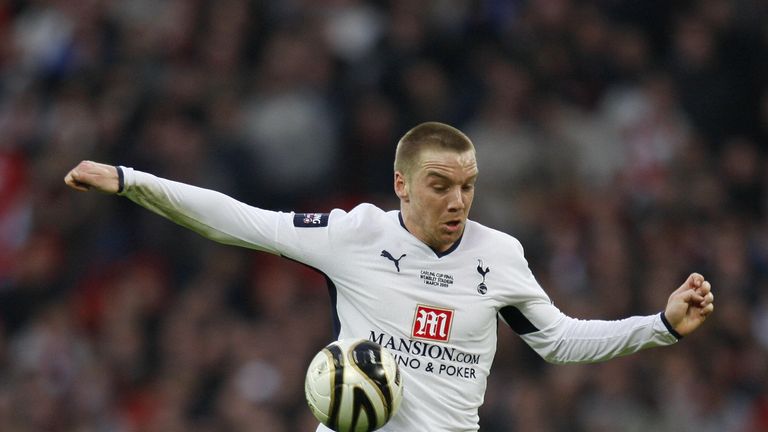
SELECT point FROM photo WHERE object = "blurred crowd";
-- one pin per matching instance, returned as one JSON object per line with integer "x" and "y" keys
{"x": 624, "y": 142}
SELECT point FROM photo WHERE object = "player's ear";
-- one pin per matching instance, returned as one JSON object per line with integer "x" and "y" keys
{"x": 401, "y": 186}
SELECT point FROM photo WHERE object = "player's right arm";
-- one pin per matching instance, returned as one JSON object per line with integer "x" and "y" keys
{"x": 212, "y": 214}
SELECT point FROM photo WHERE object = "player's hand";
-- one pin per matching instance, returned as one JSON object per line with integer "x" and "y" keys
{"x": 88, "y": 175}
{"x": 690, "y": 304}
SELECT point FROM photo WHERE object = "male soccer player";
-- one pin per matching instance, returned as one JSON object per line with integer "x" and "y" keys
{"x": 425, "y": 282}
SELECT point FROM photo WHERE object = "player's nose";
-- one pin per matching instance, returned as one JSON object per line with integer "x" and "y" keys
{"x": 456, "y": 200}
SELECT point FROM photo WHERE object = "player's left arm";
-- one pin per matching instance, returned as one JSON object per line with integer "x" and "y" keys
{"x": 559, "y": 338}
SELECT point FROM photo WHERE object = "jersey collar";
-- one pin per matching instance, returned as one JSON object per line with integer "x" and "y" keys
{"x": 438, "y": 253}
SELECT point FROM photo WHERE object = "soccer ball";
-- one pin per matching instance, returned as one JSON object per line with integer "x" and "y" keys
{"x": 353, "y": 385}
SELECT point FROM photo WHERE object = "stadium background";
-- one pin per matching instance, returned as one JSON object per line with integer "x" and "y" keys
{"x": 622, "y": 141}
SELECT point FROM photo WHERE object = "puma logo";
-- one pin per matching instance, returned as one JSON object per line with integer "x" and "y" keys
{"x": 389, "y": 256}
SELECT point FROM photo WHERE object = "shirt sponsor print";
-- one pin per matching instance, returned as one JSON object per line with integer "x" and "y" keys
{"x": 432, "y": 323}
{"x": 429, "y": 357}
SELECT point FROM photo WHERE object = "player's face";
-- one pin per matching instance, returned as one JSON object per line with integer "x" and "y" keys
{"x": 437, "y": 196}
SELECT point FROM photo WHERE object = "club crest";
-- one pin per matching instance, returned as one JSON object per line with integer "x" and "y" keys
{"x": 482, "y": 288}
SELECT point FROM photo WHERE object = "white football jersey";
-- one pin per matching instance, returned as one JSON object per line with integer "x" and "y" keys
{"x": 436, "y": 312}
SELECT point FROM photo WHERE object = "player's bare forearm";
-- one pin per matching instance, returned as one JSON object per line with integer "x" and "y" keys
{"x": 88, "y": 175}
{"x": 690, "y": 305}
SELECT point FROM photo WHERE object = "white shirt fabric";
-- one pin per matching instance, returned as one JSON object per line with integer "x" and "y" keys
{"x": 437, "y": 313}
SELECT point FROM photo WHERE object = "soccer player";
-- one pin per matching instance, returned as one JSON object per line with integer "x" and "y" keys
{"x": 425, "y": 282}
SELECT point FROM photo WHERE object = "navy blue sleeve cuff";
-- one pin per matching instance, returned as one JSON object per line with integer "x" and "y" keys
{"x": 120, "y": 179}
{"x": 669, "y": 327}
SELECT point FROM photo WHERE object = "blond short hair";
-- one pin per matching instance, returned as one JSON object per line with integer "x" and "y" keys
{"x": 428, "y": 135}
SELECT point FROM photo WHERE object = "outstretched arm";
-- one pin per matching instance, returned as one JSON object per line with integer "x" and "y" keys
{"x": 211, "y": 214}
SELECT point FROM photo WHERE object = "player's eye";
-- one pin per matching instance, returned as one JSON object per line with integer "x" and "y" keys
{"x": 439, "y": 188}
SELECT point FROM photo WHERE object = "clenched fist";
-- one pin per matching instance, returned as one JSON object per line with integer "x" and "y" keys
{"x": 690, "y": 304}
{"x": 88, "y": 175}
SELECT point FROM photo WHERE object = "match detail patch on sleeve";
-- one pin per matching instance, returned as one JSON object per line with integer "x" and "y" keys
{"x": 310, "y": 220}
